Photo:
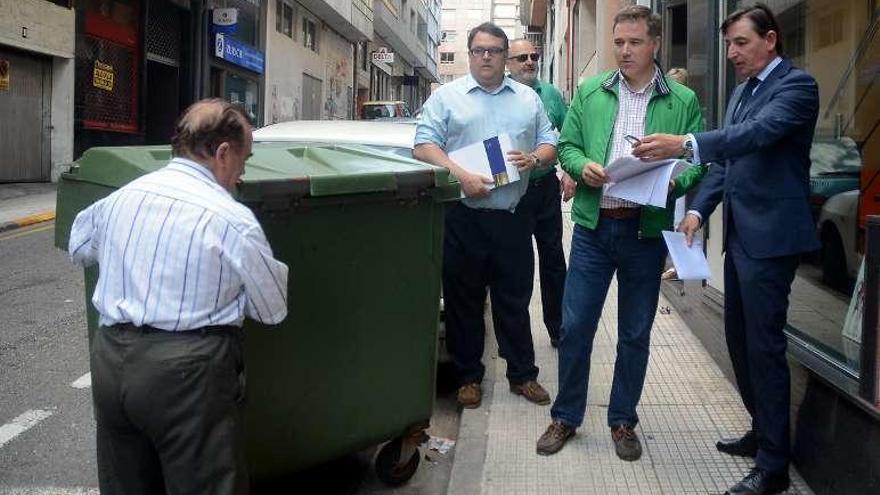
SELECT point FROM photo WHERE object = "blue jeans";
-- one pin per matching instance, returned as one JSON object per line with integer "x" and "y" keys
{"x": 595, "y": 255}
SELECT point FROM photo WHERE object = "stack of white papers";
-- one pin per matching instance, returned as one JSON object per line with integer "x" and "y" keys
{"x": 645, "y": 183}
{"x": 690, "y": 262}
{"x": 488, "y": 158}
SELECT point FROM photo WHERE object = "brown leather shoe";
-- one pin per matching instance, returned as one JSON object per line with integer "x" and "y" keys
{"x": 554, "y": 438}
{"x": 470, "y": 395}
{"x": 626, "y": 442}
{"x": 532, "y": 391}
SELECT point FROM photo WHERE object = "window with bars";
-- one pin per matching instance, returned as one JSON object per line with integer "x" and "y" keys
{"x": 310, "y": 34}
{"x": 284, "y": 18}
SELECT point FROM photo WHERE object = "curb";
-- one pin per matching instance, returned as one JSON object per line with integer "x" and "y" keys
{"x": 28, "y": 220}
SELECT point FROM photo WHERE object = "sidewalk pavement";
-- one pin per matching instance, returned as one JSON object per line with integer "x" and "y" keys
{"x": 23, "y": 204}
{"x": 686, "y": 406}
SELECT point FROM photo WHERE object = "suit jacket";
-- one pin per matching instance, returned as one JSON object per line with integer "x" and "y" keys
{"x": 761, "y": 165}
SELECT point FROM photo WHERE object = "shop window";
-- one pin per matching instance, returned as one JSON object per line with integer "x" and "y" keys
{"x": 447, "y": 58}
{"x": 107, "y": 64}
{"x": 284, "y": 18}
{"x": 310, "y": 34}
{"x": 844, "y": 182}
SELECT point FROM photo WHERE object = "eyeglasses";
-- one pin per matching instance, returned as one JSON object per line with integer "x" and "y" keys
{"x": 481, "y": 52}
{"x": 525, "y": 56}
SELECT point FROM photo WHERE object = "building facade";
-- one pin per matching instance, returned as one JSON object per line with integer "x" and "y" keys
{"x": 401, "y": 65}
{"x": 36, "y": 88}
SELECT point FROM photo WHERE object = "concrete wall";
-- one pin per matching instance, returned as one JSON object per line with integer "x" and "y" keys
{"x": 49, "y": 28}
{"x": 286, "y": 61}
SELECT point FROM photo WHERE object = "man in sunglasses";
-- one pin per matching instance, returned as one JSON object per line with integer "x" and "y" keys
{"x": 487, "y": 242}
{"x": 541, "y": 202}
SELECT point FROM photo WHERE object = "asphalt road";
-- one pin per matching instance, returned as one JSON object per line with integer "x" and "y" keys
{"x": 46, "y": 425}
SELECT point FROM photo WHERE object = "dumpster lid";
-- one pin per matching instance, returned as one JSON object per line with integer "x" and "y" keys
{"x": 294, "y": 169}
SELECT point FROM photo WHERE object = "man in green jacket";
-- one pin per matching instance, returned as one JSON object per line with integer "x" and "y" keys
{"x": 613, "y": 235}
{"x": 541, "y": 201}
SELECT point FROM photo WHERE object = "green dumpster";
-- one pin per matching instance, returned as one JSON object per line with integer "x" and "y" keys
{"x": 353, "y": 364}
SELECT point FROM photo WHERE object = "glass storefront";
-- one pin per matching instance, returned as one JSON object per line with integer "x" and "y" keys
{"x": 837, "y": 41}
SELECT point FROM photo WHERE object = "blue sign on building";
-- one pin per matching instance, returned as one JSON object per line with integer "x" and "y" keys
{"x": 239, "y": 53}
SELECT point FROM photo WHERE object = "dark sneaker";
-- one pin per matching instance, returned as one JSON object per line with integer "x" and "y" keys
{"x": 626, "y": 442}
{"x": 470, "y": 395}
{"x": 532, "y": 391}
{"x": 761, "y": 482}
{"x": 554, "y": 438}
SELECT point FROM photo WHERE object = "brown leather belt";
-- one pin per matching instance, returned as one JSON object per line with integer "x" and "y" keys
{"x": 619, "y": 213}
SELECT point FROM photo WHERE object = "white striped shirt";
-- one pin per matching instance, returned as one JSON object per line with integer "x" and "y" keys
{"x": 175, "y": 251}
{"x": 631, "y": 109}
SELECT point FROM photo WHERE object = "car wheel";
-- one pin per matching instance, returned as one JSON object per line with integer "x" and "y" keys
{"x": 834, "y": 261}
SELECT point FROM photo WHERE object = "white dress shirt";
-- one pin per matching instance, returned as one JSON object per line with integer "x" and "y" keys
{"x": 176, "y": 252}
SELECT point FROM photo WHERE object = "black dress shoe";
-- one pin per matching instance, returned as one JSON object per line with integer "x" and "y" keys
{"x": 761, "y": 482}
{"x": 747, "y": 446}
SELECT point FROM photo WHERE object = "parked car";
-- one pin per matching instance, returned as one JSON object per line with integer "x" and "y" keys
{"x": 838, "y": 231}
{"x": 835, "y": 168}
{"x": 388, "y": 136}
{"x": 384, "y": 109}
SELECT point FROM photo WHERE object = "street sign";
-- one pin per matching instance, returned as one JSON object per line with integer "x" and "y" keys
{"x": 383, "y": 55}
{"x": 238, "y": 53}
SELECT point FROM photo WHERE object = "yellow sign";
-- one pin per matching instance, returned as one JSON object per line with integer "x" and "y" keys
{"x": 103, "y": 76}
{"x": 4, "y": 75}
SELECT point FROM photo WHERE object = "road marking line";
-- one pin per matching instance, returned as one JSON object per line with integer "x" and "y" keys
{"x": 22, "y": 424}
{"x": 28, "y": 232}
{"x": 84, "y": 381}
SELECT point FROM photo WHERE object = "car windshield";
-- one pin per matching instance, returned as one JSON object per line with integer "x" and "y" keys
{"x": 378, "y": 111}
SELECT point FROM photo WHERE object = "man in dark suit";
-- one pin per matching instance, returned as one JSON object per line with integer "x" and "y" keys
{"x": 760, "y": 168}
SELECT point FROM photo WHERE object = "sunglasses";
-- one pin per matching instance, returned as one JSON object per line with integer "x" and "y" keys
{"x": 525, "y": 56}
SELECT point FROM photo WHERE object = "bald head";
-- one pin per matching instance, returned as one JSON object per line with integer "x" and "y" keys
{"x": 205, "y": 125}
{"x": 522, "y": 62}
{"x": 216, "y": 134}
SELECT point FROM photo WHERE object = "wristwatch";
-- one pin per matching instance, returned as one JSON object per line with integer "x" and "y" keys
{"x": 688, "y": 147}
{"x": 536, "y": 159}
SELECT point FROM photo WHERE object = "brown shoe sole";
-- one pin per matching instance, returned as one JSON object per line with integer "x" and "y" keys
{"x": 518, "y": 391}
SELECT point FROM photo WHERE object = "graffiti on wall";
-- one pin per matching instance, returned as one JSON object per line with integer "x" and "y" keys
{"x": 337, "y": 80}
{"x": 284, "y": 107}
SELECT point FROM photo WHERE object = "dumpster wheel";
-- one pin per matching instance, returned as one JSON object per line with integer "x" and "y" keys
{"x": 389, "y": 467}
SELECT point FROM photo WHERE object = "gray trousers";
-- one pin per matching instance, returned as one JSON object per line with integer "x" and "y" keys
{"x": 168, "y": 410}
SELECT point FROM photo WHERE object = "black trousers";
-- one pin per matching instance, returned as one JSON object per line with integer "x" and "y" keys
{"x": 168, "y": 411}
{"x": 755, "y": 308}
{"x": 488, "y": 249}
{"x": 541, "y": 206}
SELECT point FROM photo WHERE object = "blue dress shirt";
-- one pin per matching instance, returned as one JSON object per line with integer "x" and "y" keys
{"x": 463, "y": 112}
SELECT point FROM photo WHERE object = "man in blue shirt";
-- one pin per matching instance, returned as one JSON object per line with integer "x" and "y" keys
{"x": 487, "y": 241}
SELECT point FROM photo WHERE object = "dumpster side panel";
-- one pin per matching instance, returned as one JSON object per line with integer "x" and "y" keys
{"x": 354, "y": 363}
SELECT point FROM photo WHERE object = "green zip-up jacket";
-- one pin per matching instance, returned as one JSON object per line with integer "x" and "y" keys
{"x": 586, "y": 136}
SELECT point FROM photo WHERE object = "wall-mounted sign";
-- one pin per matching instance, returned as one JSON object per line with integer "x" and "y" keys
{"x": 4, "y": 75}
{"x": 383, "y": 55}
{"x": 239, "y": 53}
{"x": 103, "y": 76}
{"x": 224, "y": 20}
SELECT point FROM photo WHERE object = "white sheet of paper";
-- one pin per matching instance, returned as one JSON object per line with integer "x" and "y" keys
{"x": 473, "y": 159}
{"x": 645, "y": 183}
{"x": 690, "y": 262}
